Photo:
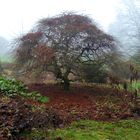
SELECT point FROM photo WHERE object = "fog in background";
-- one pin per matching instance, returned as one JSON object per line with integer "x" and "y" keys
{"x": 117, "y": 17}
{"x": 126, "y": 27}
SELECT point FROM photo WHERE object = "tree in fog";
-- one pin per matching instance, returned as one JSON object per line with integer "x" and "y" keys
{"x": 62, "y": 44}
{"x": 127, "y": 26}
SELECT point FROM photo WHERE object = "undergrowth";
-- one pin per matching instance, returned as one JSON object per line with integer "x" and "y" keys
{"x": 12, "y": 87}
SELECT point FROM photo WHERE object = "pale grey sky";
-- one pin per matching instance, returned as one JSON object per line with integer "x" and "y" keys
{"x": 18, "y": 16}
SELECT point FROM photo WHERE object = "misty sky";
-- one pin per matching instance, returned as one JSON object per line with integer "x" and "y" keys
{"x": 18, "y": 16}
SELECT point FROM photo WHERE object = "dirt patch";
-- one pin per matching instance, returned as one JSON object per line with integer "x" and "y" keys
{"x": 87, "y": 102}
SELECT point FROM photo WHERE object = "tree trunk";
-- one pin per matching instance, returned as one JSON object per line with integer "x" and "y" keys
{"x": 66, "y": 83}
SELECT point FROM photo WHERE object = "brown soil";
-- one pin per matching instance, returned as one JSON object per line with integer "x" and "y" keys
{"x": 86, "y": 102}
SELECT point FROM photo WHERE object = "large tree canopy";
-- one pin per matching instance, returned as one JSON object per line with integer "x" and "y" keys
{"x": 62, "y": 43}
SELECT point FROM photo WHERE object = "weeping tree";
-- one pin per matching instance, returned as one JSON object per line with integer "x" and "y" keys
{"x": 61, "y": 44}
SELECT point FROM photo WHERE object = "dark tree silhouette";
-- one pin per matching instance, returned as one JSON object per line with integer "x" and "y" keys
{"x": 66, "y": 41}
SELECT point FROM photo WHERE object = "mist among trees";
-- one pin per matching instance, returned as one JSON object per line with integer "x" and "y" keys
{"x": 69, "y": 79}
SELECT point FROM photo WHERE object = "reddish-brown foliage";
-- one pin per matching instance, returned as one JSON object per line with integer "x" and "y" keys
{"x": 75, "y": 40}
{"x": 43, "y": 54}
{"x": 16, "y": 115}
{"x": 32, "y": 37}
{"x": 99, "y": 103}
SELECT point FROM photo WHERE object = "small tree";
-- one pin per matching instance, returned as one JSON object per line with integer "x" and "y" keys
{"x": 68, "y": 41}
{"x": 94, "y": 73}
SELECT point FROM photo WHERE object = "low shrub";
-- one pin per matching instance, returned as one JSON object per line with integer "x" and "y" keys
{"x": 17, "y": 116}
{"x": 12, "y": 87}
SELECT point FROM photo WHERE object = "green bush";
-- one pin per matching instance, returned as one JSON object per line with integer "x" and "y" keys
{"x": 94, "y": 73}
{"x": 12, "y": 87}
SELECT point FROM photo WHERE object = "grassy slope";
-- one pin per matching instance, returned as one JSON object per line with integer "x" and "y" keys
{"x": 135, "y": 86}
{"x": 91, "y": 130}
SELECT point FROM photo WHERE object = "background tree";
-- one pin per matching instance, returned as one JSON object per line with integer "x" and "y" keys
{"x": 71, "y": 39}
{"x": 113, "y": 63}
{"x": 118, "y": 65}
{"x": 135, "y": 59}
{"x": 94, "y": 72}
{"x": 126, "y": 28}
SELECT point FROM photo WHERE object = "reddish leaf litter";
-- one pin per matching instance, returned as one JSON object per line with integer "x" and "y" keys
{"x": 17, "y": 116}
{"x": 87, "y": 102}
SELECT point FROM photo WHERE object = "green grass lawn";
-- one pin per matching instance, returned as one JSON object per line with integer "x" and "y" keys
{"x": 135, "y": 86}
{"x": 93, "y": 130}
